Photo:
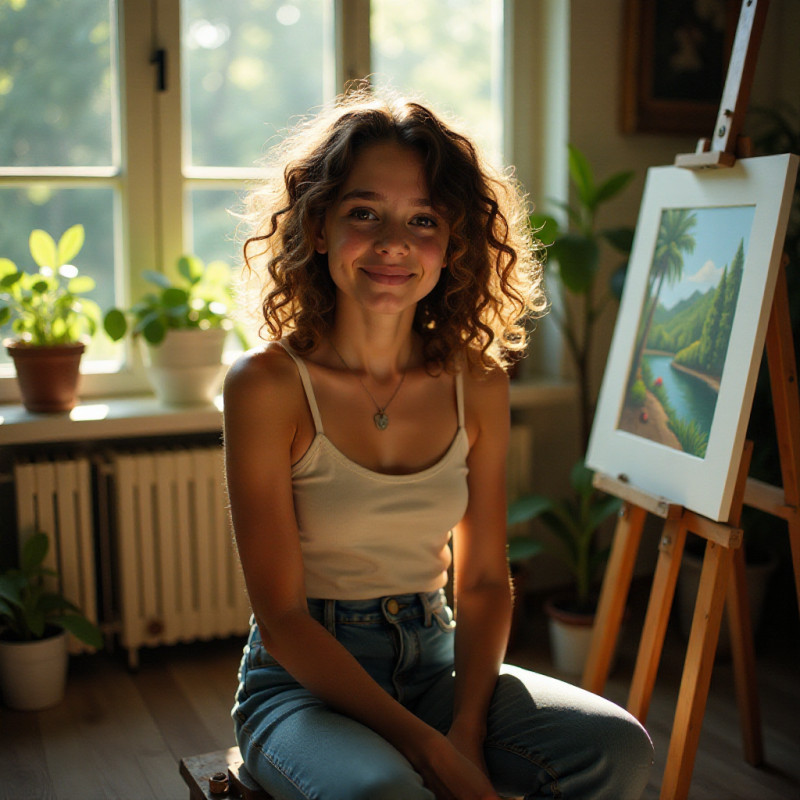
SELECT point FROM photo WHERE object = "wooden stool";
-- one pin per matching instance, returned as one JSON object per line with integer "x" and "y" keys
{"x": 222, "y": 772}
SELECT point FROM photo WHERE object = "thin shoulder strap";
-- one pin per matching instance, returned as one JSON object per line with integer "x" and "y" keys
{"x": 307, "y": 386}
{"x": 460, "y": 397}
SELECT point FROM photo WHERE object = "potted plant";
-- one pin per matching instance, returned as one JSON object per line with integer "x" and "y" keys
{"x": 51, "y": 320}
{"x": 183, "y": 324}
{"x": 574, "y": 521}
{"x": 34, "y": 622}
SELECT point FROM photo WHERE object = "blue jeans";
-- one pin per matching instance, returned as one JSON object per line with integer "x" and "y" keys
{"x": 545, "y": 738}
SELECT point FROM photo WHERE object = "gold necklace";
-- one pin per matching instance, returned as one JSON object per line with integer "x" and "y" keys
{"x": 380, "y": 418}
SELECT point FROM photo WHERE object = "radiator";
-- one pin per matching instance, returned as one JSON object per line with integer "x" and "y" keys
{"x": 55, "y": 496}
{"x": 177, "y": 571}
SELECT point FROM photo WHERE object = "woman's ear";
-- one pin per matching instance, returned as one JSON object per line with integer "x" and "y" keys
{"x": 320, "y": 240}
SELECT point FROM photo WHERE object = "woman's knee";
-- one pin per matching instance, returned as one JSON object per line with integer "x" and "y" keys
{"x": 628, "y": 757}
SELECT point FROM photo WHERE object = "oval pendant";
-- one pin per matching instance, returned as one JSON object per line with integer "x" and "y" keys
{"x": 381, "y": 421}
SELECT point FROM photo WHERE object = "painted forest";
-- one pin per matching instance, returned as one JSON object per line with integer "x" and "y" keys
{"x": 698, "y": 329}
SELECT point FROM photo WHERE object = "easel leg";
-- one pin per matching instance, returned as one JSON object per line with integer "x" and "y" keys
{"x": 697, "y": 672}
{"x": 616, "y": 584}
{"x": 744, "y": 662}
{"x": 655, "y": 624}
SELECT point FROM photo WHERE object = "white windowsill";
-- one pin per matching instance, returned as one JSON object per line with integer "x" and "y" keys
{"x": 142, "y": 416}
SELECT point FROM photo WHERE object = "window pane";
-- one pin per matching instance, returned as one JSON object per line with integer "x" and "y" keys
{"x": 58, "y": 83}
{"x": 213, "y": 228}
{"x": 248, "y": 68}
{"x": 450, "y": 53}
{"x": 40, "y": 205}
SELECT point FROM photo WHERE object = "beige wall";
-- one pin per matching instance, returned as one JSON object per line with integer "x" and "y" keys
{"x": 595, "y": 62}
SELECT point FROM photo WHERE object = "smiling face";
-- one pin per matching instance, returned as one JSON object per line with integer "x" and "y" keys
{"x": 385, "y": 243}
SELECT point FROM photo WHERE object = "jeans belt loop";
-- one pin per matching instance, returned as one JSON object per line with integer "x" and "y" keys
{"x": 329, "y": 616}
{"x": 426, "y": 604}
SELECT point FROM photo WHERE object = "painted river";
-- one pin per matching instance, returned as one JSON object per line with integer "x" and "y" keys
{"x": 692, "y": 398}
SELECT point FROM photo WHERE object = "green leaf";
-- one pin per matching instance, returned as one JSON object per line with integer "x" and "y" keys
{"x": 578, "y": 258}
{"x": 158, "y": 278}
{"x": 616, "y": 281}
{"x": 5, "y": 314}
{"x": 582, "y": 177}
{"x": 544, "y": 228}
{"x": 174, "y": 297}
{"x": 613, "y": 186}
{"x": 34, "y": 620}
{"x": 527, "y": 508}
{"x": 7, "y": 269}
{"x": 115, "y": 324}
{"x": 43, "y": 249}
{"x": 11, "y": 587}
{"x": 70, "y": 244}
{"x": 523, "y": 547}
{"x": 191, "y": 268}
{"x": 81, "y": 284}
{"x": 217, "y": 274}
{"x": 620, "y": 239}
{"x": 580, "y": 478}
{"x": 34, "y": 552}
{"x": 154, "y": 331}
{"x": 80, "y": 628}
{"x": 602, "y": 509}
{"x": 40, "y": 287}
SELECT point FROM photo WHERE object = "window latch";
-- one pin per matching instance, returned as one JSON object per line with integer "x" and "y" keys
{"x": 159, "y": 58}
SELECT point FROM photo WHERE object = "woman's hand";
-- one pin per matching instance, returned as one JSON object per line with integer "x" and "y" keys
{"x": 469, "y": 745}
{"x": 450, "y": 774}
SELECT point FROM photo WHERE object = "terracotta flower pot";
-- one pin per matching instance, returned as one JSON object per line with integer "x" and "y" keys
{"x": 47, "y": 375}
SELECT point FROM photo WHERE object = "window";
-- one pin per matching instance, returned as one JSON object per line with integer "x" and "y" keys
{"x": 144, "y": 120}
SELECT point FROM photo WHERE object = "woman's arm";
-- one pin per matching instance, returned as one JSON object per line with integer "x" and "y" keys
{"x": 264, "y": 407}
{"x": 482, "y": 589}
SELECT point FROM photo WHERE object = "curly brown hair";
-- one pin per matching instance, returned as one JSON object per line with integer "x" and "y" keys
{"x": 493, "y": 280}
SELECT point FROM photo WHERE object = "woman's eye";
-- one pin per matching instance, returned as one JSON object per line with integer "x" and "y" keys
{"x": 424, "y": 222}
{"x": 362, "y": 214}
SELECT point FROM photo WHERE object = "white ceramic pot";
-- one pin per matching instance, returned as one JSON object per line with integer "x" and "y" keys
{"x": 33, "y": 675}
{"x": 186, "y": 367}
{"x": 570, "y": 638}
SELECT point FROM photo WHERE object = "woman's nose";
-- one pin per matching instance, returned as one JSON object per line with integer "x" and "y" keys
{"x": 392, "y": 238}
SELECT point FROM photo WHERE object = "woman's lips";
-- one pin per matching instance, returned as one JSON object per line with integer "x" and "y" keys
{"x": 387, "y": 276}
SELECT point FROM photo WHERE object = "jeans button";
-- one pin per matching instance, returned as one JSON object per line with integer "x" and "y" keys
{"x": 392, "y": 606}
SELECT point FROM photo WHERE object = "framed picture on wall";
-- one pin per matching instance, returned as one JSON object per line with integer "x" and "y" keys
{"x": 678, "y": 386}
{"x": 674, "y": 65}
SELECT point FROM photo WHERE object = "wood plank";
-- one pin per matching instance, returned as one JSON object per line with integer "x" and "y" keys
{"x": 24, "y": 773}
{"x": 102, "y": 737}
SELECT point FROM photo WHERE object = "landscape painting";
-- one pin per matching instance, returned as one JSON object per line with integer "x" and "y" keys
{"x": 674, "y": 403}
{"x": 682, "y": 339}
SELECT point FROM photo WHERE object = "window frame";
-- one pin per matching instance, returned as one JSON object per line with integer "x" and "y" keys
{"x": 151, "y": 185}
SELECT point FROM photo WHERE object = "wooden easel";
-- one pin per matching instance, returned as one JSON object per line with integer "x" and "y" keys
{"x": 723, "y": 573}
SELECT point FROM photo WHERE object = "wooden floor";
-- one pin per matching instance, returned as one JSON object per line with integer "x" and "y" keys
{"x": 121, "y": 735}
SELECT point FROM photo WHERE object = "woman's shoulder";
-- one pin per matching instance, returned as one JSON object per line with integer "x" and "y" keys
{"x": 265, "y": 372}
{"x": 490, "y": 385}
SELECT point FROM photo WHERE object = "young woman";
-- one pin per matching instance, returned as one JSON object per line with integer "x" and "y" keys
{"x": 367, "y": 434}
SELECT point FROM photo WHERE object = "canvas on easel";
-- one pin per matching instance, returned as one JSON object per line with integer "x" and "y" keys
{"x": 679, "y": 381}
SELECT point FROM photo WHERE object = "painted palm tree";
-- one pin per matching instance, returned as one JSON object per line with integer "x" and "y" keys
{"x": 674, "y": 239}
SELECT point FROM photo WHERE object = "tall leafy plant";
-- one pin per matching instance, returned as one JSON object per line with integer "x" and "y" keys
{"x": 576, "y": 252}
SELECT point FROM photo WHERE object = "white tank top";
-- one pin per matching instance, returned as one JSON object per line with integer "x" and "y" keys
{"x": 366, "y": 534}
